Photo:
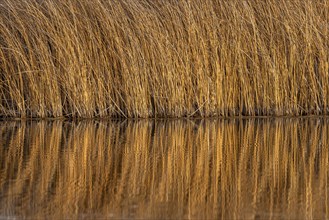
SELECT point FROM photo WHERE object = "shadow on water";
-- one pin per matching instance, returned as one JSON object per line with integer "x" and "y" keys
{"x": 260, "y": 168}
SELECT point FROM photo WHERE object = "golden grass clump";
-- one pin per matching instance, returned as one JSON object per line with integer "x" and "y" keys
{"x": 146, "y": 58}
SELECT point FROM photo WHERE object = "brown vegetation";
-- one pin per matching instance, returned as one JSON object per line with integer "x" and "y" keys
{"x": 174, "y": 170}
{"x": 163, "y": 58}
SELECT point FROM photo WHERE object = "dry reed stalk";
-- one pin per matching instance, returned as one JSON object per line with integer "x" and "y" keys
{"x": 145, "y": 58}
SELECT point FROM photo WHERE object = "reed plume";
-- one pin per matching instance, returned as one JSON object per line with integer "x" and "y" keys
{"x": 146, "y": 58}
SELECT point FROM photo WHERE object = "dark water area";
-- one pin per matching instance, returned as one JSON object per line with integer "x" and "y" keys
{"x": 178, "y": 169}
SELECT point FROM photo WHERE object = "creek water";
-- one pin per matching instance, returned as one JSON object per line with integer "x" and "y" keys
{"x": 165, "y": 169}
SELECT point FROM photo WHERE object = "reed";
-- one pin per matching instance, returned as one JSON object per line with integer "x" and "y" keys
{"x": 145, "y": 58}
{"x": 265, "y": 169}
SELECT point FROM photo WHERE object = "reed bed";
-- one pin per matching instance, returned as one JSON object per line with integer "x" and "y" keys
{"x": 175, "y": 170}
{"x": 146, "y": 58}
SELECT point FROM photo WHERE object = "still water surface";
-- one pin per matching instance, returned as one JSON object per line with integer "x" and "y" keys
{"x": 249, "y": 169}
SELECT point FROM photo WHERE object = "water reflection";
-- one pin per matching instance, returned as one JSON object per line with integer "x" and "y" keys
{"x": 165, "y": 169}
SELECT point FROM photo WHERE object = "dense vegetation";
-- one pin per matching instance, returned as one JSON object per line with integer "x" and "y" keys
{"x": 163, "y": 58}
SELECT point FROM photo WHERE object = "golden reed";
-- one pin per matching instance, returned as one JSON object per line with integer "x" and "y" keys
{"x": 146, "y": 58}
{"x": 265, "y": 169}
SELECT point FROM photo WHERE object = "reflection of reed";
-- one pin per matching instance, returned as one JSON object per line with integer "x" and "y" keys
{"x": 200, "y": 169}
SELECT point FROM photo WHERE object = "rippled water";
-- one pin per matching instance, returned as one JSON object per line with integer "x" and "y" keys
{"x": 248, "y": 169}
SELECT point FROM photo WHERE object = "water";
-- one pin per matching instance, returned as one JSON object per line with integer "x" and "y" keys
{"x": 250, "y": 169}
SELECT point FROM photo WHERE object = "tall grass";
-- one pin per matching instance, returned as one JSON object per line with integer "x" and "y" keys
{"x": 146, "y": 58}
{"x": 179, "y": 170}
